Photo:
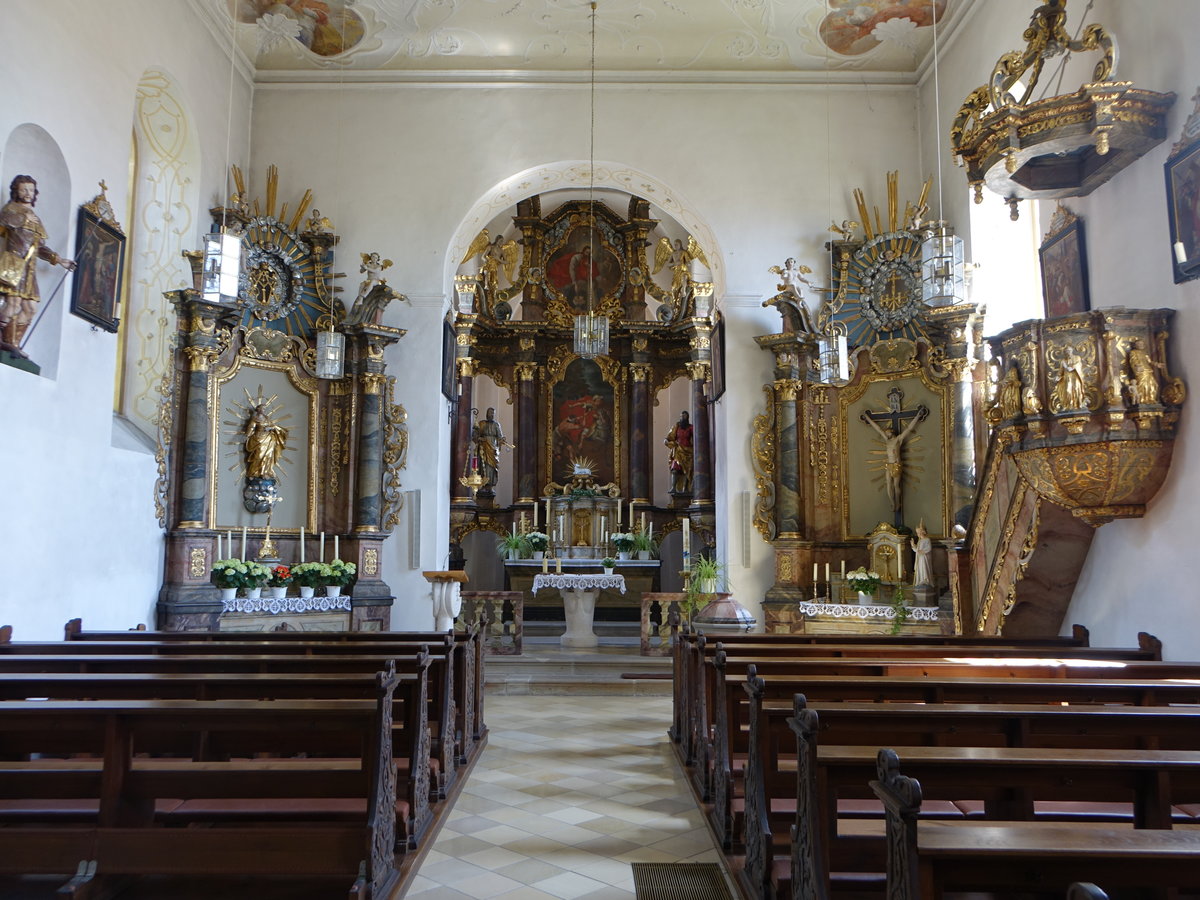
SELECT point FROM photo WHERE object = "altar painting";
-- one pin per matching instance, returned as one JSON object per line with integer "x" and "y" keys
{"x": 583, "y": 255}
{"x": 582, "y": 422}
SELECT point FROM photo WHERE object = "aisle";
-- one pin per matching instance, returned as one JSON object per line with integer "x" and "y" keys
{"x": 569, "y": 791}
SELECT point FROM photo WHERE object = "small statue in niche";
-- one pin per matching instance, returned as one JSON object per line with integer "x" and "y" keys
{"x": 790, "y": 299}
{"x": 923, "y": 557}
{"x": 24, "y": 238}
{"x": 680, "y": 445}
{"x": 1069, "y": 391}
{"x": 266, "y": 440}
{"x": 1143, "y": 383}
{"x": 487, "y": 438}
{"x": 1008, "y": 397}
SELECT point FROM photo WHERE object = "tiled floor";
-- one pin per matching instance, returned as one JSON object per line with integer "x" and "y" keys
{"x": 569, "y": 791}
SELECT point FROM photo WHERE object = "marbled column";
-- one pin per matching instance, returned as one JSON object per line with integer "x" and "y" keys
{"x": 702, "y": 458}
{"x": 527, "y": 428}
{"x": 369, "y": 477}
{"x": 462, "y": 428}
{"x": 787, "y": 474}
{"x": 639, "y": 431}
{"x": 198, "y": 326}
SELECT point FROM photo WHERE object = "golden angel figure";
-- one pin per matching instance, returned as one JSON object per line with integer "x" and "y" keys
{"x": 679, "y": 259}
{"x": 495, "y": 256}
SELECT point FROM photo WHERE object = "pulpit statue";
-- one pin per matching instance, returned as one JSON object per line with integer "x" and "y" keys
{"x": 679, "y": 442}
{"x": 894, "y": 438}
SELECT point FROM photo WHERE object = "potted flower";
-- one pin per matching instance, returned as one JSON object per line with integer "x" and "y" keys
{"x": 608, "y": 562}
{"x": 280, "y": 577}
{"x": 644, "y": 545}
{"x": 230, "y": 574}
{"x": 340, "y": 575}
{"x": 309, "y": 576}
{"x": 623, "y": 542}
{"x": 538, "y": 542}
{"x": 866, "y": 583}
{"x": 707, "y": 574}
{"x": 512, "y": 546}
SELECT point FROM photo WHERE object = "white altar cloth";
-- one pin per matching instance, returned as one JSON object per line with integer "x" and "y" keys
{"x": 579, "y": 594}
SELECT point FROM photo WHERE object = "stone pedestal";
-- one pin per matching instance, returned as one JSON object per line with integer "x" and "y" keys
{"x": 447, "y": 603}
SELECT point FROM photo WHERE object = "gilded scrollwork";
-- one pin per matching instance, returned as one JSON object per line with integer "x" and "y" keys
{"x": 165, "y": 421}
{"x": 395, "y": 455}
{"x": 762, "y": 456}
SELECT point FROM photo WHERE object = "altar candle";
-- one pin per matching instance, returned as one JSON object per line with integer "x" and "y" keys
{"x": 535, "y": 508}
{"x": 558, "y": 565}
{"x": 337, "y": 553}
{"x": 243, "y": 543}
{"x": 561, "y": 530}
{"x": 229, "y": 542}
{"x": 643, "y": 525}
{"x": 322, "y": 546}
{"x": 301, "y": 543}
{"x": 514, "y": 529}
{"x": 687, "y": 535}
{"x": 545, "y": 564}
{"x": 618, "y": 519}
{"x": 602, "y": 532}
{"x": 650, "y": 533}
{"x": 827, "y": 571}
{"x": 1180, "y": 253}
{"x": 814, "y": 573}
{"x": 843, "y": 569}
{"x": 219, "y": 545}
{"x": 547, "y": 512}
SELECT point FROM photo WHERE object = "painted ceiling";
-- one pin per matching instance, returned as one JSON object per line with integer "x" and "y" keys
{"x": 877, "y": 40}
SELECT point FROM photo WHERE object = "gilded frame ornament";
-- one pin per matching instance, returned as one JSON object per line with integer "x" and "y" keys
{"x": 1182, "y": 171}
{"x": 1063, "y": 256}
{"x": 100, "y": 264}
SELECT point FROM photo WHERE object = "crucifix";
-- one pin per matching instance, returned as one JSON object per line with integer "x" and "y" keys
{"x": 894, "y": 433}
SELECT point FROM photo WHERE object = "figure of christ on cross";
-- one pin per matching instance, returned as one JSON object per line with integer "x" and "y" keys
{"x": 894, "y": 434}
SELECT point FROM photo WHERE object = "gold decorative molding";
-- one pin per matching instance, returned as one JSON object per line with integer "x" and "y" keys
{"x": 201, "y": 359}
{"x": 395, "y": 455}
{"x": 762, "y": 458}
{"x": 371, "y": 562}
{"x": 198, "y": 564}
{"x": 788, "y": 389}
{"x": 639, "y": 372}
{"x": 466, "y": 367}
{"x": 525, "y": 371}
{"x": 895, "y": 355}
{"x": 699, "y": 371}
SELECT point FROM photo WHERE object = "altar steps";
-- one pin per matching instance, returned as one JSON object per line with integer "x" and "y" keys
{"x": 615, "y": 667}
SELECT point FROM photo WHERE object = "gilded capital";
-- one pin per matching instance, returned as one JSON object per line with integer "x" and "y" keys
{"x": 639, "y": 371}
{"x": 466, "y": 367}
{"x": 201, "y": 359}
{"x": 699, "y": 371}
{"x": 373, "y": 382}
{"x": 527, "y": 343}
{"x": 788, "y": 388}
{"x": 526, "y": 371}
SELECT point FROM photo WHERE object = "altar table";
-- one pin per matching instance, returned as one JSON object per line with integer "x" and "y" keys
{"x": 579, "y": 594}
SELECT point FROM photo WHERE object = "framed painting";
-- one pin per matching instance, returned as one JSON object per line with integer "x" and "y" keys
{"x": 1064, "y": 269}
{"x": 1183, "y": 206}
{"x": 100, "y": 261}
{"x": 448, "y": 373}
{"x": 718, "y": 360}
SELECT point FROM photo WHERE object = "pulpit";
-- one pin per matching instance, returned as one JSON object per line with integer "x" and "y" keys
{"x": 579, "y": 594}
{"x": 447, "y": 601}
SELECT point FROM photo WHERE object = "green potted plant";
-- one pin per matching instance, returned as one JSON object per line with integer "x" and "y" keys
{"x": 339, "y": 576}
{"x": 608, "y": 562}
{"x": 706, "y": 579}
{"x": 623, "y": 542}
{"x": 230, "y": 574}
{"x": 512, "y": 546}
{"x": 644, "y": 545}
{"x": 538, "y": 542}
{"x": 309, "y": 576}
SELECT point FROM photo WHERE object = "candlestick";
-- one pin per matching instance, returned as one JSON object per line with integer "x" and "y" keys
{"x": 267, "y": 537}
{"x": 1180, "y": 253}
{"x": 337, "y": 553}
{"x": 301, "y": 543}
{"x": 243, "y": 543}
{"x": 322, "y": 546}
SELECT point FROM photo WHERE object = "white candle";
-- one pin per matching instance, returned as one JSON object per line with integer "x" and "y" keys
{"x": 814, "y": 573}
{"x": 545, "y": 564}
{"x": 301, "y": 543}
{"x": 843, "y": 568}
{"x": 687, "y": 535}
{"x": 602, "y": 531}
{"x": 558, "y": 565}
{"x": 219, "y": 546}
{"x": 229, "y": 542}
{"x": 643, "y": 525}
{"x": 561, "y": 530}
{"x": 1180, "y": 253}
{"x": 651, "y": 532}
{"x": 514, "y": 529}
{"x": 322, "y": 546}
{"x": 827, "y": 571}
{"x": 618, "y": 520}
{"x": 535, "y": 507}
{"x": 243, "y": 543}
{"x": 548, "y": 518}
{"x": 631, "y": 515}
{"x": 337, "y": 553}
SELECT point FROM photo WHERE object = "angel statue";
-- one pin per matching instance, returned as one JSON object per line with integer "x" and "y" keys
{"x": 790, "y": 299}
{"x": 372, "y": 266}
{"x": 494, "y": 255}
{"x": 679, "y": 259}
{"x": 846, "y": 229}
{"x": 374, "y": 293}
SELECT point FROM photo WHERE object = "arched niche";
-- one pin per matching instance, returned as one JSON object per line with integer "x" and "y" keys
{"x": 30, "y": 150}
{"x": 164, "y": 221}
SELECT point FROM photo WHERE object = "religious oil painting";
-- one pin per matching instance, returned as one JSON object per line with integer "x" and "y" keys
{"x": 100, "y": 260}
{"x": 323, "y": 27}
{"x": 582, "y": 423}
{"x": 448, "y": 363}
{"x": 1183, "y": 205}
{"x": 855, "y": 27}
{"x": 583, "y": 266}
{"x": 1064, "y": 271}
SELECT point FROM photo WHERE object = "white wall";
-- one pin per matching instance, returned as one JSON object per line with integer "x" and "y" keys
{"x": 1136, "y": 577}
{"x": 398, "y": 167}
{"x": 79, "y": 537}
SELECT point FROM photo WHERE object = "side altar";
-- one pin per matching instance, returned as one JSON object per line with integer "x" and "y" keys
{"x": 612, "y": 604}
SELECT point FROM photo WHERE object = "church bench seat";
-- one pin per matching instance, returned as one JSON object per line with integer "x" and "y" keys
{"x": 355, "y": 842}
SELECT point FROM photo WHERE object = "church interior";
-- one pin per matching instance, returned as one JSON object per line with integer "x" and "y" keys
{"x": 539, "y": 328}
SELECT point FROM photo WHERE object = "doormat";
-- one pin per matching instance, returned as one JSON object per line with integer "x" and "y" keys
{"x": 679, "y": 881}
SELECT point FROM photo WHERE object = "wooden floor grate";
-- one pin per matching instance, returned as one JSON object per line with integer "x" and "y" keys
{"x": 679, "y": 881}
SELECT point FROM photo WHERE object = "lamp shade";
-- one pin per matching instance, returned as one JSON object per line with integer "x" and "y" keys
{"x": 591, "y": 335}
{"x": 222, "y": 264}
{"x": 943, "y": 272}
{"x": 331, "y": 355}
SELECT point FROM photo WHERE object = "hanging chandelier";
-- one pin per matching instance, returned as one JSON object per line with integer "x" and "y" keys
{"x": 591, "y": 330}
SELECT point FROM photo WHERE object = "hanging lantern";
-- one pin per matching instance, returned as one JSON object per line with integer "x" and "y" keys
{"x": 591, "y": 335}
{"x": 943, "y": 272}
{"x": 331, "y": 355}
{"x": 833, "y": 361}
{"x": 222, "y": 266}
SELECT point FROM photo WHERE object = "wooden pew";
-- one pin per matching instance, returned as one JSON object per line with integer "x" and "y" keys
{"x": 239, "y": 660}
{"x": 410, "y": 713}
{"x": 936, "y": 725}
{"x": 468, "y": 679}
{"x": 1020, "y": 857}
{"x": 213, "y": 744}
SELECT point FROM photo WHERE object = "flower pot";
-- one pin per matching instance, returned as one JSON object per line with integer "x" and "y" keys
{"x": 622, "y": 554}
{"x": 643, "y": 554}
{"x": 228, "y": 594}
{"x": 607, "y": 571}
{"x": 276, "y": 592}
{"x": 333, "y": 590}
{"x": 253, "y": 593}
{"x": 539, "y": 554}
{"x": 707, "y": 585}
{"x": 864, "y": 598}
{"x": 512, "y": 553}
{"x": 306, "y": 591}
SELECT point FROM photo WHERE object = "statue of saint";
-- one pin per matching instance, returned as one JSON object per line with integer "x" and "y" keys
{"x": 679, "y": 443}
{"x": 487, "y": 439}
{"x": 1008, "y": 397}
{"x": 266, "y": 440}
{"x": 893, "y": 444}
{"x": 24, "y": 244}
{"x": 923, "y": 562}
{"x": 1069, "y": 390}
{"x": 1144, "y": 383}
